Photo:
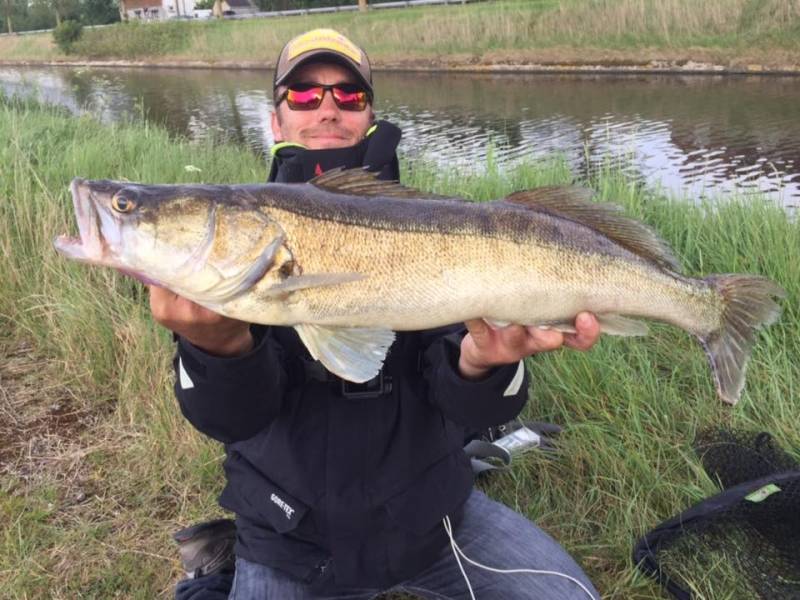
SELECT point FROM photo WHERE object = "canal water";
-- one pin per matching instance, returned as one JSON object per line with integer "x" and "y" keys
{"x": 692, "y": 135}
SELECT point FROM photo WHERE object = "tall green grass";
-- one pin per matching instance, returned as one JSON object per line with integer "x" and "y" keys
{"x": 508, "y": 30}
{"x": 631, "y": 407}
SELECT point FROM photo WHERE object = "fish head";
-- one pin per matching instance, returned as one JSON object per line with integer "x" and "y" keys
{"x": 197, "y": 241}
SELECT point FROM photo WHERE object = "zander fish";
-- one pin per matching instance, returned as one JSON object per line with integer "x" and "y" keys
{"x": 348, "y": 259}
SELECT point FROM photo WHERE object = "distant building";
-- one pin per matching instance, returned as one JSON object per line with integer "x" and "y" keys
{"x": 157, "y": 10}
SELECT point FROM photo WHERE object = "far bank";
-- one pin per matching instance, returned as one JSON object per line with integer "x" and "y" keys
{"x": 723, "y": 36}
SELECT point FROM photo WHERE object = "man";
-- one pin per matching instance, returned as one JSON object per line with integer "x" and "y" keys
{"x": 342, "y": 490}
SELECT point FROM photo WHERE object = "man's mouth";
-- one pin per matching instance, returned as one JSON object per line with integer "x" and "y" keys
{"x": 328, "y": 133}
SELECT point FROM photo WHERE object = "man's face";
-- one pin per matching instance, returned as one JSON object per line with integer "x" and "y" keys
{"x": 327, "y": 126}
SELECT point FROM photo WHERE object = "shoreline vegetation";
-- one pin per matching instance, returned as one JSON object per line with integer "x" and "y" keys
{"x": 685, "y": 36}
{"x": 98, "y": 467}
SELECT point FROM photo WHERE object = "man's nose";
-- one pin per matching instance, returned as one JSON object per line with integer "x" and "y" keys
{"x": 328, "y": 111}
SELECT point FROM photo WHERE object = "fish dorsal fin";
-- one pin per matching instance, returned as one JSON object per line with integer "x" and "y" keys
{"x": 574, "y": 203}
{"x": 360, "y": 182}
{"x": 354, "y": 354}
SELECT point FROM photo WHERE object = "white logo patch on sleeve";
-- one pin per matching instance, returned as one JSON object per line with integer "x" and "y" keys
{"x": 516, "y": 382}
{"x": 186, "y": 381}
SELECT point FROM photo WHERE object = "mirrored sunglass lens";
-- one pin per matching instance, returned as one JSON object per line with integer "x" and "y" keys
{"x": 308, "y": 98}
{"x": 350, "y": 100}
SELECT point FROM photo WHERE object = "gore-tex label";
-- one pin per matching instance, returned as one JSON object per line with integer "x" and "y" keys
{"x": 283, "y": 505}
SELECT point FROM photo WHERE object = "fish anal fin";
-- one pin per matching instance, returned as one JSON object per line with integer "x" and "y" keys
{"x": 622, "y": 326}
{"x": 610, "y": 324}
{"x": 354, "y": 354}
{"x": 496, "y": 323}
{"x": 562, "y": 326}
{"x": 360, "y": 182}
{"x": 574, "y": 203}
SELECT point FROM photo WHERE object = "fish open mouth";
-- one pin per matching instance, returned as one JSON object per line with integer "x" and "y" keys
{"x": 95, "y": 223}
{"x": 90, "y": 245}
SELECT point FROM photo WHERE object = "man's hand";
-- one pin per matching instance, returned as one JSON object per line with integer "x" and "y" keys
{"x": 218, "y": 335}
{"x": 485, "y": 347}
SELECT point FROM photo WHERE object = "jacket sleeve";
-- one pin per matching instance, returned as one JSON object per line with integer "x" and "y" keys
{"x": 491, "y": 401}
{"x": 231, "y": 399}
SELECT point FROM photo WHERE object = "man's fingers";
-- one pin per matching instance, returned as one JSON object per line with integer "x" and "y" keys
{"x": 544, "y": 340}
{"x": 479, "y": 330}
{"x": 515, "y": 337}
{"x": 587, "y": 331}
{"x": 176, "y": 312}
{"x": 161, "y": 301}
{"x": 489, "y": 346}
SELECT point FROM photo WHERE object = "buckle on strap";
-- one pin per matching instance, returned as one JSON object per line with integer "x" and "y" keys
{"x": 377, "y": 386}
{"x": 313, "y": 370}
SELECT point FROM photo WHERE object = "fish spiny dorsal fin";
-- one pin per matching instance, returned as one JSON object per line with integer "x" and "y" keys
{"x": 359, "y": 182}
{"x": 572, "y": 202}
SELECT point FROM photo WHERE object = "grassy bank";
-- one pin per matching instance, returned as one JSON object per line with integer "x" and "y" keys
{"x": 97, "y": 466}
{"x": 732, "y": 33}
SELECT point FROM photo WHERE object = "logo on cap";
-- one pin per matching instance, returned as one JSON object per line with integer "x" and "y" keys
{"x": 323, "y": 39}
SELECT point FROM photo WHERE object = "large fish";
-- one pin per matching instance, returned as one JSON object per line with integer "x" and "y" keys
{"x": 347, "y": 259}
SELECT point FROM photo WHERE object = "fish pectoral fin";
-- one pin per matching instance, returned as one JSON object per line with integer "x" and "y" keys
{"x": 302, "y": 282}
{"x": 354, "y": 354}
{"x": 360, "y": 182}
{"x": 574, "y": 203}
{"x": 623, "y": 326}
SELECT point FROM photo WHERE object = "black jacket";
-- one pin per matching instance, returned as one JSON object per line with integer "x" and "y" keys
{"x": 313, "y": 475}
{"x": 319, "y": 478}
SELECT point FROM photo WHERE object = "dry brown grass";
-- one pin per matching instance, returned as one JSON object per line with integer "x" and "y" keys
{"x": 42, "y": 421}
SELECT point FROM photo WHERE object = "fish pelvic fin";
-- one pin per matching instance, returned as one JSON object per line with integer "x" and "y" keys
{"x": 748, "y": 304}
{"x": 354, "y": 354}
{"x": 360, "y": 182}
{"x": 574, "y": 203}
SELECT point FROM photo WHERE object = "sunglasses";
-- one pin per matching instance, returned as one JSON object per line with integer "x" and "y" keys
{"x": 308, "y": 96}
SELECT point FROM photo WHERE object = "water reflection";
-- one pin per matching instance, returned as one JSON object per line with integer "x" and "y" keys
{"x": 689, "y": 134}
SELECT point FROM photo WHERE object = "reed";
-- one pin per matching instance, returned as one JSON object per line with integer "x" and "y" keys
{"x": 88, "y": 504}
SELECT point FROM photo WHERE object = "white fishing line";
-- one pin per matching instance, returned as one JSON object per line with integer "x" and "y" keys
{"x": 459, "y": 553}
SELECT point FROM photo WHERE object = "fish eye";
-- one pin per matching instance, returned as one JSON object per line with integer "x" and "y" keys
{"x": 122, "y": 204}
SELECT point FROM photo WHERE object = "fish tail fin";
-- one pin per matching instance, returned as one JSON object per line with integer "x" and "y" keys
{"x": 748, "y": 304}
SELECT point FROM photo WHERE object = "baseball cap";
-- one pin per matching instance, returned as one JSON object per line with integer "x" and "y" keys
{"x": 322, "y": 44}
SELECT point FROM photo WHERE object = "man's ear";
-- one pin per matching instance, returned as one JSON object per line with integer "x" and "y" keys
{"x": 275, "y": 123}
